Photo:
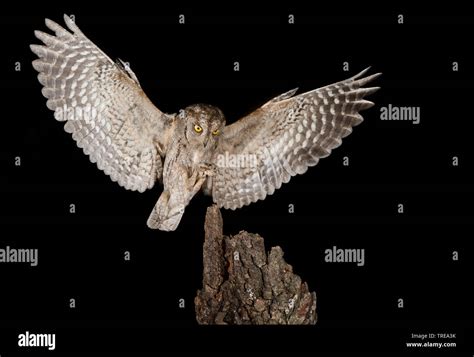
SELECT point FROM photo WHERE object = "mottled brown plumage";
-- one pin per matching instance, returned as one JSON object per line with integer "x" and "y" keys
{"x": 118, "y": 127}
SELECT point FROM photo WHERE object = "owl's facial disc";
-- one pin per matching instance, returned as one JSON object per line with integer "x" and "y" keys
{"x": 204, "y": 124}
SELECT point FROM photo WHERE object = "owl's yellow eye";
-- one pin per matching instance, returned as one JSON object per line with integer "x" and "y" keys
{"x": 198, "y": 129}
{"x": 216, "y": 132}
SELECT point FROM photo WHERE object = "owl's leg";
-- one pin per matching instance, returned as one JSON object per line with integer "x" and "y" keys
{"x": 177, "y": 193}
{"x": 198, "y": 177}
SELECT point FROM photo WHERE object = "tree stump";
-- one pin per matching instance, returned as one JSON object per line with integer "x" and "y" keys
{"x": 244, "y": 285}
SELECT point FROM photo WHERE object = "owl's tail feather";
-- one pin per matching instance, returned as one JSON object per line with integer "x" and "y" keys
{"x": 166, "y": 214}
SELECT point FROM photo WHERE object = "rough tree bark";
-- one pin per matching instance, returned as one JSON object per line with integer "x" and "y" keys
{"x": 244, "y": 285}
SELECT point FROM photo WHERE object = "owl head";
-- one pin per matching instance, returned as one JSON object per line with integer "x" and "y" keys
{"x": 203, "y": 124}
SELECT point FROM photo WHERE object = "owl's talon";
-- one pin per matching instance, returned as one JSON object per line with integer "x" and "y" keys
{"x": 207, "y": 169}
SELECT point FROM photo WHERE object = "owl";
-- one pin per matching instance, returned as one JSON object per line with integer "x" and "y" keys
{"x": 109, "y": 116}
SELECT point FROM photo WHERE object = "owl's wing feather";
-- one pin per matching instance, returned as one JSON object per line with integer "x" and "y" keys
{"x": 103, "y": 105}
{"x": 284, "y": 137}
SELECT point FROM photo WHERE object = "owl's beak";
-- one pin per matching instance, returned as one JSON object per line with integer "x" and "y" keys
{"x": 206, "y": 141}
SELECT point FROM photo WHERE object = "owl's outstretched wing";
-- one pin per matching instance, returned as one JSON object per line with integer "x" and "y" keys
{"x": 284, "y": 137}
{"x": 103, "y": 105}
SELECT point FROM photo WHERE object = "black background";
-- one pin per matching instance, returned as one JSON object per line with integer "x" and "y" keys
{"x": 133, "y": 306}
